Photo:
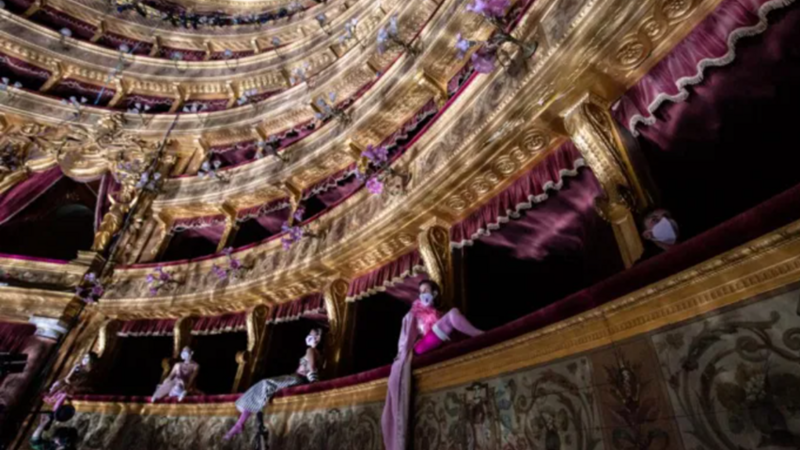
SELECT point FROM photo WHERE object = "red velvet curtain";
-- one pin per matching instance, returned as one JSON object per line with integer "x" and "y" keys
{"x": 530, "y": 189}
{"x": 312, "y": 304}
{"x": 225, "y": 323}
{"x": 384, "y": 277}
{"x": 711, "y": 44}
{"x": 147, "y": 327}
{"x": 26, "y": 192}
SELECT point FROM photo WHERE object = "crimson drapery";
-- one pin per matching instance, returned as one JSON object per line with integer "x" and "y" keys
{"x": 26, "y": 192}
{"x": 14, "y": 335}
{"x": 384, "y": 277}
{"x": 225, "y": 323}
{"x": 147, "y": 327}
{"x": 711, "y": 44}
{"x": 530, "y": 189}
{"x": 309, "y": 305}
{"x": 194, "y": 223}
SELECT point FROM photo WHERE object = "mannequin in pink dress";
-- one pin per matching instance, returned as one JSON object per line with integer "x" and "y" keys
{"x": 424, "y": 329}
{"x": 77, "y": 381}
{"x": 180, "y": 381}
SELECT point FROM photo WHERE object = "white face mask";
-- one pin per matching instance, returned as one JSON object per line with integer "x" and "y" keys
{"x": 185, "y": 355}
{"x": 426, "y": 298}
{"x": 664, "y": 232}
{"x": 311, "y": 341}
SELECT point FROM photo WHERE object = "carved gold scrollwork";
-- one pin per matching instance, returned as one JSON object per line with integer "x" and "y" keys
{"x": 434, "y": 247}
{"x": 676, "y": 10}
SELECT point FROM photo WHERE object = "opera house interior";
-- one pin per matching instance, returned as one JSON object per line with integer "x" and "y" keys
{"x": 384, "y": 224}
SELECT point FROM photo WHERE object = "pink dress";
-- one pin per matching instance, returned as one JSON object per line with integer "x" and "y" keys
{"x": 419, "y": 321}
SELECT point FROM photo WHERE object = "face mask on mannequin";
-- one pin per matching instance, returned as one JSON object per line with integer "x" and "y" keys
{"x": 427, "y": 298}
{"x": 311, "y": 340}
{"x": 664, "y": 232}
{"x": 185, "y": 355}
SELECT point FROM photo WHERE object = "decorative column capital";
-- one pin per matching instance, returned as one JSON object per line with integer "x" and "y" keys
{"x": 594, "y": 132}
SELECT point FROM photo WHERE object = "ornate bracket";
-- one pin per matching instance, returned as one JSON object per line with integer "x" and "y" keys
{"x": 250, "y": 359}
{"x": 594, "y": 133}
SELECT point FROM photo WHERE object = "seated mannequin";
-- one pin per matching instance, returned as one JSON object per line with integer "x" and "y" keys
{"x": 257, "y": 397}
{"x": 180, "y": 381}
{"x": 77, "y": 381}
{"x": 661, "y": 229}
{"x": 424, "y": 329}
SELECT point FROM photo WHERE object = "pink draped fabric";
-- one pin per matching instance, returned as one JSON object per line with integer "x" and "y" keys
{"x": 384, "y": 277}
{"x": 311, "y": 304}
{"x": 225, "y": 323}
{"x": 26, "y": 192}
{"x": 394, "y": 420}
{"x": 530, "y": 189}
{"x": 711, "y": 44}
{"x": 147, "y": 327}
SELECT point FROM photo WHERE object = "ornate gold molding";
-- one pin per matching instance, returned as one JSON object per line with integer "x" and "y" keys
{"x": 434, "y": 247}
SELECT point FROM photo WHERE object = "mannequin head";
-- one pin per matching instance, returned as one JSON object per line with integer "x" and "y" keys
{"x": 314, "y": 337}
{"x": 186, "y": 354}
{"x": 428, "y": 292}
{"x": 89, "y": 360}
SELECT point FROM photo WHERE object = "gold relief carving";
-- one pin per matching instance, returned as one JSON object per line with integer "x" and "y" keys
{"x": 505, "y": 166}
{"x": 534, "y": 140}
{"x": 182, "y": 334}
{"x": 632, "y": 53}
{"x": 653, "y": 28}
{"x": 675, "y": 10}
{"x": 480, "y": 186}
{"x": 434, "y": 247}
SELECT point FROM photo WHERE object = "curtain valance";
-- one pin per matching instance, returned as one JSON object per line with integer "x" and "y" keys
{"x": 26, "y": 192}
{"x": 384, "y": 277}
{"x": 530, "y": 189}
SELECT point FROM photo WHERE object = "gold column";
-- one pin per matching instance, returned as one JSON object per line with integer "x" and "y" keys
{"x": 594, "y": 133}
{"x": 339, "y": 320}
{"x": 434, "y": 246}
{"x": 250, "y": 358}
{"x": 106, "y": 347}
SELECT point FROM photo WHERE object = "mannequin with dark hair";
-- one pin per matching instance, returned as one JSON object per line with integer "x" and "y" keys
{"x": 424, "y": 329}
{"x": 77, "y": 381}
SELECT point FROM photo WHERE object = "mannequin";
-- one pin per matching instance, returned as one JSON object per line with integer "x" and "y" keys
{"x": 424, "y": 329}
{"x": 257, "y": 397}
{"x": 180, "y": 381}
{"x": 77, "y": 381}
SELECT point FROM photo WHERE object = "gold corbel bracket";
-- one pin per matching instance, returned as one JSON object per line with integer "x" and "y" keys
{"x": 255, "y": 45}
{"x": 34, "y": 8}
{"x": 60, "y": 72}
{"x": 156, "y": 48}
{"x": 101, "y": 30}
{"x": 209, "y": 50}
{"x": 181, "y": 96}
{"x": 428, "y": 82}
{"x": 234, "y": 92}
{"x": 122, "y": 88}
